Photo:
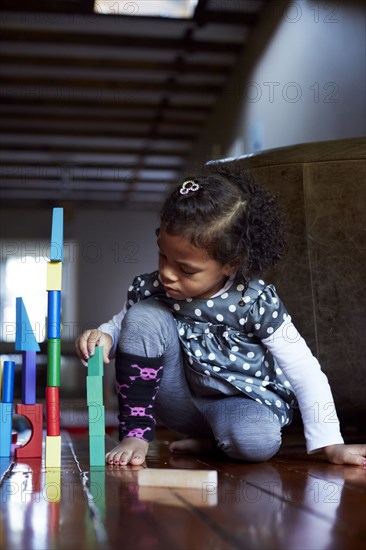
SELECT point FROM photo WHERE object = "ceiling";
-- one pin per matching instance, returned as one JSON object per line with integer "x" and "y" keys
{"x": 107, "y": 108}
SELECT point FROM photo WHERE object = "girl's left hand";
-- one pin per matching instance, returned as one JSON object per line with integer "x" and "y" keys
{"x": 346, "y": 454}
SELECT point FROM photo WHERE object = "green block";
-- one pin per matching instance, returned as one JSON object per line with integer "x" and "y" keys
{"x": 96, "y": 419}
{"x": 97, "y": 450}
{"x": 94, "y": 390}
{"x": 95, "y": 363}
{"x": 54, "y": 362}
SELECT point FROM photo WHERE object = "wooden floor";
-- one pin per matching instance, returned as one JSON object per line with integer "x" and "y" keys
{"x": 290, "y": 502}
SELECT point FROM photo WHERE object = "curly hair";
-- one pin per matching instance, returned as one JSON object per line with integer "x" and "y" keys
{"x": 231, "y": 216}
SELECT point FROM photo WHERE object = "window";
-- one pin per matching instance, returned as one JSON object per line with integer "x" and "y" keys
{"x": 157, "y": 8}
{"x": 23, "y": 272}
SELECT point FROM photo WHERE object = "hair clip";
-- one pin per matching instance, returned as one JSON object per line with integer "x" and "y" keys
{"x": 187, "y": 186}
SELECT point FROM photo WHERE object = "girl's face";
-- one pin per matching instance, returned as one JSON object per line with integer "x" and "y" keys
{"x": 187, "y": 271}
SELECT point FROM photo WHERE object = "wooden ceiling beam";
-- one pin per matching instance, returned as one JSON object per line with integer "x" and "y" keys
{"x": 16, "y": 169}
{"x": 47, "y": 6}
{"x": 71, "y": 36}
{"x": 80, "y": 149}
{"x": 114, "y": 85}
{"x": 221, "y": 17}
{"x": 81, "y": 119}
{"x": 180, "y": 65}
{"x": 80, "y": 131}
{"x": 105, "y": 104}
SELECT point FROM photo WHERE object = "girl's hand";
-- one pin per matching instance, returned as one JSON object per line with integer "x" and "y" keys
{"x": 86, "y": 342}
{"x": 346, "y": 454}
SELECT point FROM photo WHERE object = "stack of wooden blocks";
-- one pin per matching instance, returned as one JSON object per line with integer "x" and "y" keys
{"x": 54, "y": 279}
{"x": 25, "y": 342}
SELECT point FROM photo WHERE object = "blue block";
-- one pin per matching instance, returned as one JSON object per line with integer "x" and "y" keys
{"x": 57, "y": 235}
{"x": 24, "y": 335}
{"x": 29, "y": 378}
{"x": 54, "y": 314}
{"x": 6, "y": 416}
{"x": 8, "y": 382}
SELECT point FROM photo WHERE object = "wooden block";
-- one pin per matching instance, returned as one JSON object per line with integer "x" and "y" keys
{"x": 95, "y": 363}
{"x": 96, "y": 420}
{"x": 54, "y": 276}
{"x": 94, "y": 390}
{"x": 34, "y": 414}
{"x": 53, "y": 451}
{"x": 97, "y": 450}
{"x": 6, "y": 416}
{"x": 24, "y": 335}
{"x": 53, "y": 410}
{"x": 54, "y": 362}
{"x": 54, "y": 314}
{"x": 29, "y": 378}
{"x": 162, "y": 477}
{"x": 57, "y": 235}
{"x": 7, "y": 386}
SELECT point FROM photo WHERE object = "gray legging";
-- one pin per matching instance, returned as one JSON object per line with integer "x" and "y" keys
{"x": 243, "y": 429}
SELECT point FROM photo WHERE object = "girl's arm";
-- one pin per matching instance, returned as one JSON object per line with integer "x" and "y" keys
{"x": 113, "y": 329}
{"x": 311, "y": 387}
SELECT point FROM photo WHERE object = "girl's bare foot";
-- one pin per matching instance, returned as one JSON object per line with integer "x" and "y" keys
{"x": 130, "y": 451}
{"x": 192, "y": 445}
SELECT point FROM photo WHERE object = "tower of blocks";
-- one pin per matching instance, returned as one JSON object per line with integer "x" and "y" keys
{"x": 26, "y": 342}
{"x": 54, "y": 278}
{"x": 96, "y": 413}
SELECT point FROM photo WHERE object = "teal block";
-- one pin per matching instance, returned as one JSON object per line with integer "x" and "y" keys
{"x": 94, "y": 390}
{"x": 96, "y": 415}
{"x": 57, "y": 235}
{"x": 97, "y": 450}
{"x": 95, "y": 363}
{"x": 24, "y": 335}
{"x": 6, "y": 417}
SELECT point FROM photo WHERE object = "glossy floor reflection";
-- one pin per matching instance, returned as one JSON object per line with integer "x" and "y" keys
{"x": 290, "y": 502}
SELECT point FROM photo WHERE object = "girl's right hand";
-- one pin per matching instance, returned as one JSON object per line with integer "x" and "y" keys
{"x": 86, "y": 342}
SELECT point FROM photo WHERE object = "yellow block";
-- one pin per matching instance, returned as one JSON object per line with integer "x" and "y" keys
{"x": 54, "y": 275}
{"x": 53, "y": 451}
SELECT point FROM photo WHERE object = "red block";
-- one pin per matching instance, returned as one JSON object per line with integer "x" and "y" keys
{"x": 34, "y": 414}
{"x": 53, "y": 410}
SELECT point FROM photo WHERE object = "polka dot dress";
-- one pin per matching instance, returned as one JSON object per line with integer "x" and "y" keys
{"x": 222, "y": 341}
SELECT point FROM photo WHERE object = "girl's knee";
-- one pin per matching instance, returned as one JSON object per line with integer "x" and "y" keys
{"x": 148, "y": 328}
{"x": 257, "y": 443}
{"x": 256, "y": 451}
{"x": 147, "y": 312}
{"x": 147, "y": 316}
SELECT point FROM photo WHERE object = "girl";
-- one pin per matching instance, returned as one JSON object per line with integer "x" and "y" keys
{"x": 207, "y": 345}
